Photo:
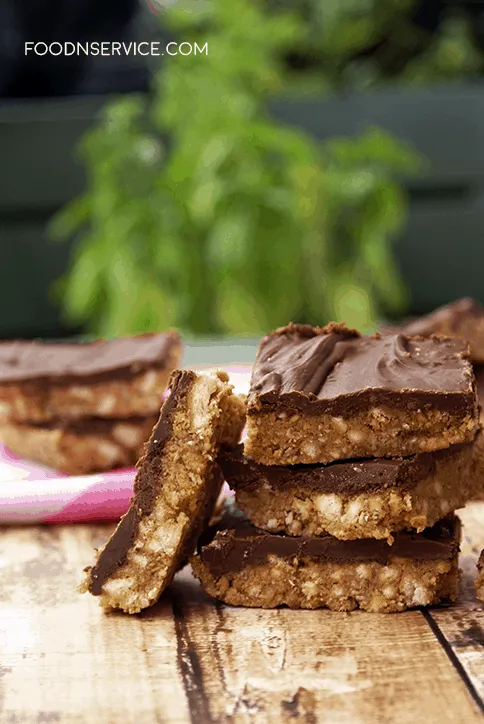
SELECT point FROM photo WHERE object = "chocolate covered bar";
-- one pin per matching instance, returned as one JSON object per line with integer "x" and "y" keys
{"x": 88, "y": 445}
{"x": 323, "y": 394}
{"x": 175, "y": 491}
{"x": 356, "y": 498}
{"x": 123, "y": 377}
{"x": 242, "y": 565}
{"x": 463, "y": 319}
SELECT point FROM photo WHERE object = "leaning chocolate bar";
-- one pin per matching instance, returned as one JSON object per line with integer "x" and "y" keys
{"x": 323, "y": 394}
{"x": 175, "y": 492}
{"x": 356, "y": 498}
{"x": 123, "y": 377}
{"x": 245, "y": 566}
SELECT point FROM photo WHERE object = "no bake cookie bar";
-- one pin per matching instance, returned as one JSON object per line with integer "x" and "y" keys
{"x": 125, "y": 377}
{"x": 88, "y": 445}
{"x": 323, "y": 394}
{"x": 356, "y": 498}
{"x": 245, "y": 566}
{"x": 463, "y": 319}
{"x": 175, "y": 491}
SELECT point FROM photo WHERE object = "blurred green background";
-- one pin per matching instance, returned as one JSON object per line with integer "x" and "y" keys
{"x": 323, "y": 161}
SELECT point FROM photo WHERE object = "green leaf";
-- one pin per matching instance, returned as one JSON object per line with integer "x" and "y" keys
{"x": 375, "y": 147}
{"x": 70, "y": 219}
{"x": 83, "y": 285}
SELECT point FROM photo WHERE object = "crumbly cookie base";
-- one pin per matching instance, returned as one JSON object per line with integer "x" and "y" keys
{"x": 80, "y": 453}
{"x": 188, "y": 486}
{"x": 138, "y": 395}
{"x": 303, "y": 511}
{"x": 291, "y": 438}
{"x": 309, "y": 583}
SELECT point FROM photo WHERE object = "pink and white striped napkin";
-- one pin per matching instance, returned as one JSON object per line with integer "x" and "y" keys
{"x": 31, "y": 493}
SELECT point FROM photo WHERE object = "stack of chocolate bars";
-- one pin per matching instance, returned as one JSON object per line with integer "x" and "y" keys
{"x": 84, "y": 407}
{"x": 358, "y": 452}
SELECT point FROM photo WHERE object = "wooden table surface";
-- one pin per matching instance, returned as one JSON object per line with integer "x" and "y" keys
{"x": 189, "y": 659}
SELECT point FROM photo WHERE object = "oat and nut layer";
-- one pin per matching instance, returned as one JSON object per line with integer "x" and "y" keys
{"x": 87, "y": 445}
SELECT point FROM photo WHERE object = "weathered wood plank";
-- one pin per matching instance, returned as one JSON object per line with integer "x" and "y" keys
{"x": 189, "y": 660}
{"x": 462, "y": 626}
{"x": 317, "y": 666}
{"x": 62, "y": 658}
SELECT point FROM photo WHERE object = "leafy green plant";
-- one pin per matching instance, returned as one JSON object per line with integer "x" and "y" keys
{"x": 236, "y": 223}
{"x": 367, "y": 44}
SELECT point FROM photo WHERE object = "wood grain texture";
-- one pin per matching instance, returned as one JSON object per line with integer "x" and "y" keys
{"x": 317, "y": 666}
{"x": 460, "y": 629}
{"x": 191, "y": 660}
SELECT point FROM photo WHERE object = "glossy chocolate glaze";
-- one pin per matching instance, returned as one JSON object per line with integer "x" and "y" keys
{"x": 337, "y": 371}
{"x": 349, "y": 477}
{"x": 235, "y": 544}
{"x": 52, "y": 363}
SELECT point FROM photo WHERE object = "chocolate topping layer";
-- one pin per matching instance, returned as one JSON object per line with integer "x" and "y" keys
{"x": 463, "y": 318}
{"x": 22, "y": 361}
{"x": 349, "y": 477}
{"x": 89, "y": 425}
{"x": 235, "y": 544}
{"x": 146, "y": 485}
{"x": 335, "y": 370}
